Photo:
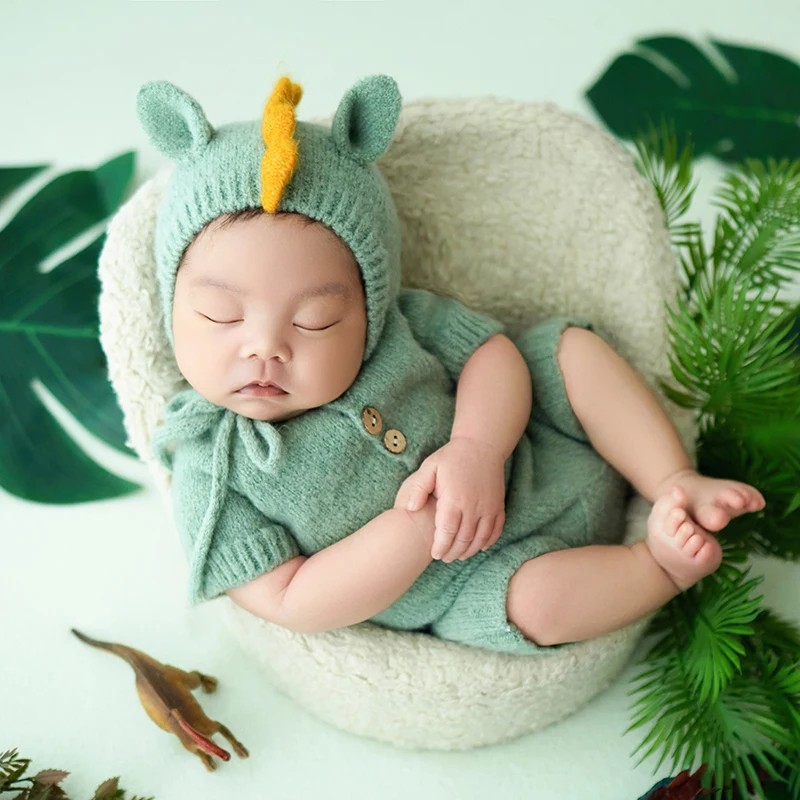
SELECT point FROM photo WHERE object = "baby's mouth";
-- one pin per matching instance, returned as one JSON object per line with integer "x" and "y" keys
{"x": 257, "y": 389}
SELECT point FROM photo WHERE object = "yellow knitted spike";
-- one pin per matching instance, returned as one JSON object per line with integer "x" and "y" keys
{"x": 277, "y": 128}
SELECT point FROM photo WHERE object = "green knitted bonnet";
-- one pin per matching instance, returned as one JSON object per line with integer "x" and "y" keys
{"x": 279, "y": 164}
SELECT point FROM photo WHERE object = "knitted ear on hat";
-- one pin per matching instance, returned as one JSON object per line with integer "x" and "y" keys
{"x": 364, "y": 123}
{"x": 173, "y": 121}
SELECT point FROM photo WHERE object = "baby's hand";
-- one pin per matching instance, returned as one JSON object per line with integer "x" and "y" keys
{"x": 467, "y": 478}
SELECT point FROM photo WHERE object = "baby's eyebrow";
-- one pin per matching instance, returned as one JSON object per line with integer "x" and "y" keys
{"x": 333, "y": 287}
{"x": 216, "y": 283}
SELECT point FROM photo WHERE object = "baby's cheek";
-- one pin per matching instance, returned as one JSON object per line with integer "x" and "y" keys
{"x": 201, "y": 363}
{"x": 341, "y": 369}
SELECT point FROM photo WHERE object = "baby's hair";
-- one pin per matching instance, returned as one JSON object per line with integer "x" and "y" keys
{"x": 243, "y": 214}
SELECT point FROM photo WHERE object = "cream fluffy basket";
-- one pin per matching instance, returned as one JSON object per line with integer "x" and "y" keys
{"x": 524, "y": 211}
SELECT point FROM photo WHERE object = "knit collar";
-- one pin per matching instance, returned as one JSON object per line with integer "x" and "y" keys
{"x": 188, "y": 416}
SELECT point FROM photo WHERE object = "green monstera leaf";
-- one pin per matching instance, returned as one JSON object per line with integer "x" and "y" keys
{"x": 49, "y": 332}
{"x": 741, "y": 103}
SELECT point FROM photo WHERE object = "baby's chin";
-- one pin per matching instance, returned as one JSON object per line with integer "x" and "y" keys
{"x": 262, "y": 409}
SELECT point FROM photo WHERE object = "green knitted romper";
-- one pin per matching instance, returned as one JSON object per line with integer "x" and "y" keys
{"x": 249, "y": 495}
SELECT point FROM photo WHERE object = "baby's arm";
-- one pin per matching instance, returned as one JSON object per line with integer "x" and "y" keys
{"x": 348, "y": 582}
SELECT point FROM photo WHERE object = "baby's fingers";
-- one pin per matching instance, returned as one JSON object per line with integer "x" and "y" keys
{"x": 417, "y": 499}
{"x": 415, "y": 490}
{"x": 463, "y": 540}
{"x": 486, "y": 527}
{"x": 448, "y": 521}
{"x": 498, "y": 529}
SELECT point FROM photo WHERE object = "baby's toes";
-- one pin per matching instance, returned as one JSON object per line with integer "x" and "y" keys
{"x": 733, "y": 498}
{"x": 742, "y": 497}
{"x": 712, "y": 517}
{"x": 661, "y": 511}
{"x": 755, "y": 500}
{"x": 684, "y": 533}
{"x": 693, "y": 544}
{"x": 709, "y": 556}
{"x": 675, "y": 519}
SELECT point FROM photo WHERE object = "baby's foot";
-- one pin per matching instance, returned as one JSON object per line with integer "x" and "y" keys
{"x": 713, "y": 502}
{"x": 685, "y": 551}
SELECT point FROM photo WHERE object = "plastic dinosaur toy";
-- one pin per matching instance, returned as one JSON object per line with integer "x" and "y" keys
{"x": 166, "y": 695}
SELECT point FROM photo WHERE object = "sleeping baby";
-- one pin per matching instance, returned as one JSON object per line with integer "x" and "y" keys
{"x": 350, "y": 450}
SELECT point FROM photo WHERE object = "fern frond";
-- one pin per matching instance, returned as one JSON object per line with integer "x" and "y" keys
{"x": 734, "y": 360}
{"x": 721, "y": 682}
{"x": 735, "y": 734}
{"x": 780, "y": 635}
{"x": 12, "y": 767}
{"x": 668, "y": 168}
{"x": 720, "y": 625}
{"x": 758, "y": 230}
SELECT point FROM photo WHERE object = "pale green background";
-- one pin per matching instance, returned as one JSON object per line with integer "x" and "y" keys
{"x": 69, "y": 71}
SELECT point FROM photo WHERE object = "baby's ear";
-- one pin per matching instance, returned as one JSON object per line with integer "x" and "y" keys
{"x": 173, "y": 121}
{"x": 364, "y": 123}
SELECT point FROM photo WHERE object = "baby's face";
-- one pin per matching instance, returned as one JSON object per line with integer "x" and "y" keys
{"x": 269, "y": 299}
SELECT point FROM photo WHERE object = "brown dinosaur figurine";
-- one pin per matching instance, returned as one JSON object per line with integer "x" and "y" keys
{"x": 165, "y": 693}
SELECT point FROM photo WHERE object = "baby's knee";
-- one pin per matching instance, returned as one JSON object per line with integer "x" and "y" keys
{"x": 585, "y": 360}
{"x": 532, "y": 602}
{"x": 574, "y": 345}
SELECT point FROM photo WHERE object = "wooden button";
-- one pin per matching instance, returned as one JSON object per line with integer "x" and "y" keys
{"x": 371, "y": 418}
{"x": 394, "y": 441}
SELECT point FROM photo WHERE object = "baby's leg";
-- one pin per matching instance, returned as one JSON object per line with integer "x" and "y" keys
{"x": 628, "y": 427}
{"x": 585, "y": 592}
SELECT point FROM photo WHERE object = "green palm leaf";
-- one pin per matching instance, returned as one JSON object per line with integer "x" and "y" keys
{"x": 758, "y": 231}
{"x": 780, "y": 635}
{"x": 49, "y": 332}
{"x": 734, "y": 734}
{"x": 734, "y": 360}
{"x": 713, "y": 655}
{"x": 722, "y": 680}
{"x": 735, "y": 102}
{"x": 670, "y": 174}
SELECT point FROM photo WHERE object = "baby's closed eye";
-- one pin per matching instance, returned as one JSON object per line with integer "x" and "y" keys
{"x": 219, "y": 321}
{"x": 313, "y": 327}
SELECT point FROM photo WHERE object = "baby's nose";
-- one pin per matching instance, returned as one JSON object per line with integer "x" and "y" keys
{"x": 265, "y": 345}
